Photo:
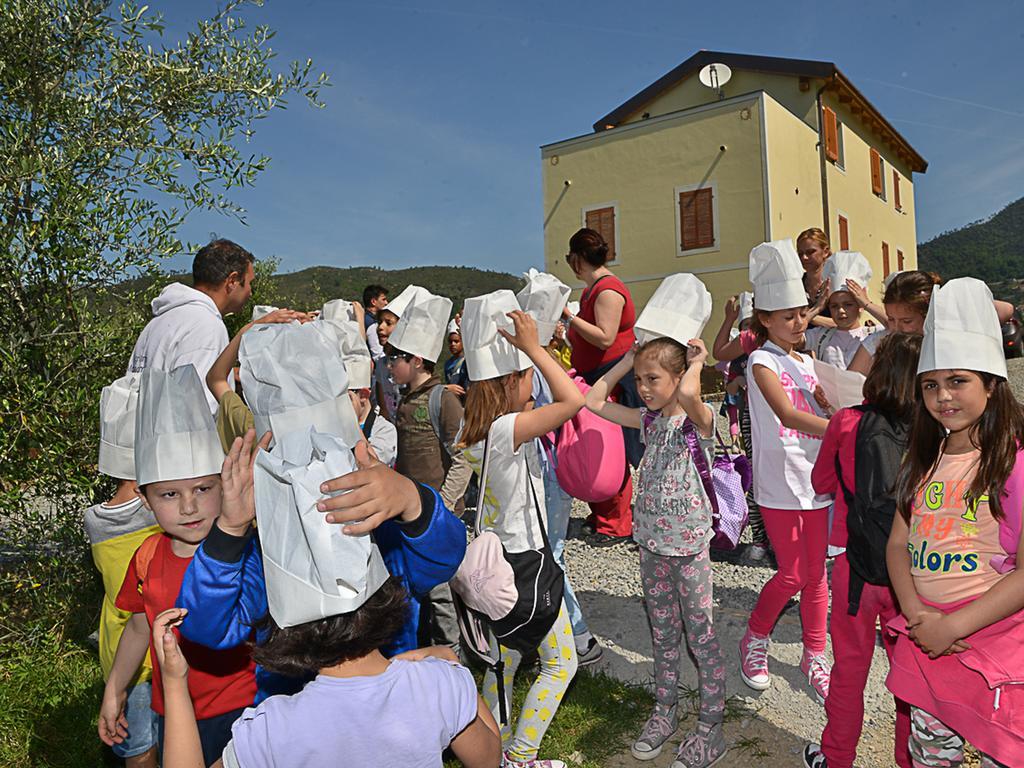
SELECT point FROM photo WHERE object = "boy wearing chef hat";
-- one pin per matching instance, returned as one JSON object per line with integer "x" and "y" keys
{"x": 428, "y": 420}
{"x": 847, "y": 274}
{"x": 116, "y": 528}
{"x": 386, "y": 391}
{"x": 347, "y": 330}
{"x": 178, "y": 463}
{"x": 456, "y": 376}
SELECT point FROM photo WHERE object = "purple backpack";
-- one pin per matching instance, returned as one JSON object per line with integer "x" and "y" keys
{"x": 726, "y": 484}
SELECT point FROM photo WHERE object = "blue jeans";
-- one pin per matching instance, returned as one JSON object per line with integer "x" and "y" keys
{"x": 559, "y": 504}
{"x": 142, "y": 723}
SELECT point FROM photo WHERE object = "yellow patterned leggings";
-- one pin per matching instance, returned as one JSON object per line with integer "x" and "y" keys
{"x": 557, "y": 653}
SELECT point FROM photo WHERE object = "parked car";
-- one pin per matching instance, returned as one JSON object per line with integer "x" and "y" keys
{"x": 1013, "y": 330}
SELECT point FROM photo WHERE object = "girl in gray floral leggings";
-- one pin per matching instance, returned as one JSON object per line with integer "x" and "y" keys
{"x": 672, "y": 525}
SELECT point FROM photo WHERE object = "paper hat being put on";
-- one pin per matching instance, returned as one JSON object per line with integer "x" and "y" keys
{"x": 846, "y": 265}
{"x": 175, "y": 437}
{"x": 340, "y": 317}
{"x": 118, "y": 403}
{"x": 488, "y": 354}
{"x": 421, "y": 328}
{"x": 398, "y": 304}
{"x": 573, "y": 307}
{"x": 294, "y": 379}
{"x": 889, "y": 278}
{"x": 746, "y": 306}
{"x": 777, "y": 275}
{"x": 962, "y": 330}
{"x": 543, "y": 298}
{"x": 679, "y": 310}
{"x": 313, "y": 570}
{"x": 262, "y": 310}
{"x": 453, "y": 327}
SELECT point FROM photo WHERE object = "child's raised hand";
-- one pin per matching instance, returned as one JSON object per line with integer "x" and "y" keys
{"x": 525, "y": 337}
{"x": 168, "y": 653}
{"x": 732, "y": 309}
{"x": 696, "y": 352}
{"x": 859, "y": 293}
{"x": 238, "y": 498}
{"x": 283, "y": 316}
{"x": 375, "y": 493}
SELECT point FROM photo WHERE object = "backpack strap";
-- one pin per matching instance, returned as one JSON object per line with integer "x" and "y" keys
{"x": 482, "y": 492}
{"x": 434, "y": 410}
{"x": 1010, "y": 525}
{"x": 144, "y": 555}
{"x": 368, "y": 424}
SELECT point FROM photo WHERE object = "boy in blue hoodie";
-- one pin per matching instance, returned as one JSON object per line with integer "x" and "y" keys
{"x": 421, "y": 541}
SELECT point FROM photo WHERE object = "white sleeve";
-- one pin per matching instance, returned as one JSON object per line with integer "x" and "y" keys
{"x": 384, "y": 440}
{"x": 376, "y": 350}
{"x": 503, "y": 435}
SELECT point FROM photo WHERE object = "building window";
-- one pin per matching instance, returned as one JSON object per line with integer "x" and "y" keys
{"x": 844, "y": 233}
{"x": 899, "y": 259}
{"x": 885, "y": 259}
{"x": 601, "y": 219}
{"x": 877, "y": 174}
{"x": 896, "y": 189}
{"x": 697, "y": 218}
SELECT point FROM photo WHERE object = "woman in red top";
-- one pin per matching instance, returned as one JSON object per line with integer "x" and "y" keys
{"x": 600, "y": 335}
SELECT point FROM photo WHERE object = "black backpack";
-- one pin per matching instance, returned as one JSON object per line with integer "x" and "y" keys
{"x": 881, "y": 443}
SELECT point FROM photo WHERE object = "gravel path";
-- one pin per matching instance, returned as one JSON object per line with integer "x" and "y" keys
{"x": 764, "y": 728}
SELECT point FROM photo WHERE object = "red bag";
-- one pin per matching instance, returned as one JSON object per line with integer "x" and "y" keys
{"x": 590, "y": 455}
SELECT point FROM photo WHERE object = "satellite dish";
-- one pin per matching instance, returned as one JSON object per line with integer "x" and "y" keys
{"x": 714, "y": 76}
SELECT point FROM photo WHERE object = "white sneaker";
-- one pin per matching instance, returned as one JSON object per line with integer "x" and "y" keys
{"x": 508, "y": 762}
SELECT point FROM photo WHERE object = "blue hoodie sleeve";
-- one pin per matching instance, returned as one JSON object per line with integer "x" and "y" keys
{"x": 224, "y": 590}
{"x": 427, "y": 551}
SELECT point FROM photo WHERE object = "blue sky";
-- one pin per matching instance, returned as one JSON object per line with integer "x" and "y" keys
{"x": 428, "y": 149}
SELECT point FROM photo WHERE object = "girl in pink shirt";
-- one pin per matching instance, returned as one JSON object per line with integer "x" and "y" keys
{"x": 951, "y": 561}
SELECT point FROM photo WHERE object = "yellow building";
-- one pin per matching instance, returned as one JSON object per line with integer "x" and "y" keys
{"x": 686, "y": 178}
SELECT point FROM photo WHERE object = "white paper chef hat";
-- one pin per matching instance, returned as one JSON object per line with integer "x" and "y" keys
{"x": 118, "y": 402}
{"x": 175, "y": 437}
{"x": 294, "y": 379}
{"x": 679, "y": 309}
{"x": 573, "y": 307}
{"x": 421, "y": 327}
{"x": 543, "y": 298}
{"x": 846, "y": 265}
{"x": 889, "y": 278}
{"x": 313, "y": 570}
{"x": 398, "y": 304}
{"x": 962, "y": 330}
{"x": 453, "y": 327}
{"x": 488, "y": 354}
{"x": 777, "y": 275}
{"x": 746, "y": 306}
{"x": 262, "y": 310}
{"x": 340, "y": 317}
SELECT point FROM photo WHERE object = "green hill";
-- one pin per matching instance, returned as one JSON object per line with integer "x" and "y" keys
{"x": 991, "y": 249}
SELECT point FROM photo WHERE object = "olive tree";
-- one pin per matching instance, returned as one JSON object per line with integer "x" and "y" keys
{"x": 110, "y": 136}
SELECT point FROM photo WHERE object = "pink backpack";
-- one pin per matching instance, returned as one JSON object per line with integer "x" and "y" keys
{"x": 590, "y": 455}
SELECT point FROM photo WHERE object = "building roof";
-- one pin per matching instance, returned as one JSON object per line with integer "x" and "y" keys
{"x": 836, "y": 81}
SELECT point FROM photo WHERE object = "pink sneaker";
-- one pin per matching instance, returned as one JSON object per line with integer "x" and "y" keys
{"x": 754, "y": 661}
{"x": 819, "y": 673}
{"x": 508, "y": 762}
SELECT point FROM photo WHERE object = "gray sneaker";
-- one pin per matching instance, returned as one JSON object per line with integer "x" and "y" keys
{"x": 657, "y": 730}
{"x": 702, "y": 747}
{"x": 591, "y": 655}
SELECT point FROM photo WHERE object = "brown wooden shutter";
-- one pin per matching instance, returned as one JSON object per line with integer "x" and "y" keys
{"x": 896, "y": 190}
{"x": 602, "y": 220}
{"x": 831, "y": 131}
{"x": 844, "y": 234}
{"x": 876, "y": 172}
{"x": 696, "y": 219}
{"x": 885, "y": 259}
{"x": 899, "y": 259}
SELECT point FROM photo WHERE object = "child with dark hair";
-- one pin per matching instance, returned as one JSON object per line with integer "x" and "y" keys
{"x": 361, "y": 709}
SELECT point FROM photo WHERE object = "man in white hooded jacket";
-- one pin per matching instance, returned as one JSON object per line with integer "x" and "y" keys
{"x": 187, "y": 325}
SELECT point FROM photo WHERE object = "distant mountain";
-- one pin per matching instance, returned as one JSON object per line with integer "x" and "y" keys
{"x": 991, "y": 250}
{"x": 310, "y": 288}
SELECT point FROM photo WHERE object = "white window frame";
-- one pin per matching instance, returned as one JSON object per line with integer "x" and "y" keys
{"x": 717, "y": 246}
{"x": 615, "y": 216}
{"x": 840, "y": 162}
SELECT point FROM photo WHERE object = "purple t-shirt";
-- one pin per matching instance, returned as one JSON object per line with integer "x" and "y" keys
{"x": 405, "y": 717}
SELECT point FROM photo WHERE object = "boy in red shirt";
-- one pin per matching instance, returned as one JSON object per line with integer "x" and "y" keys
{"x": 178, "y": 465}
